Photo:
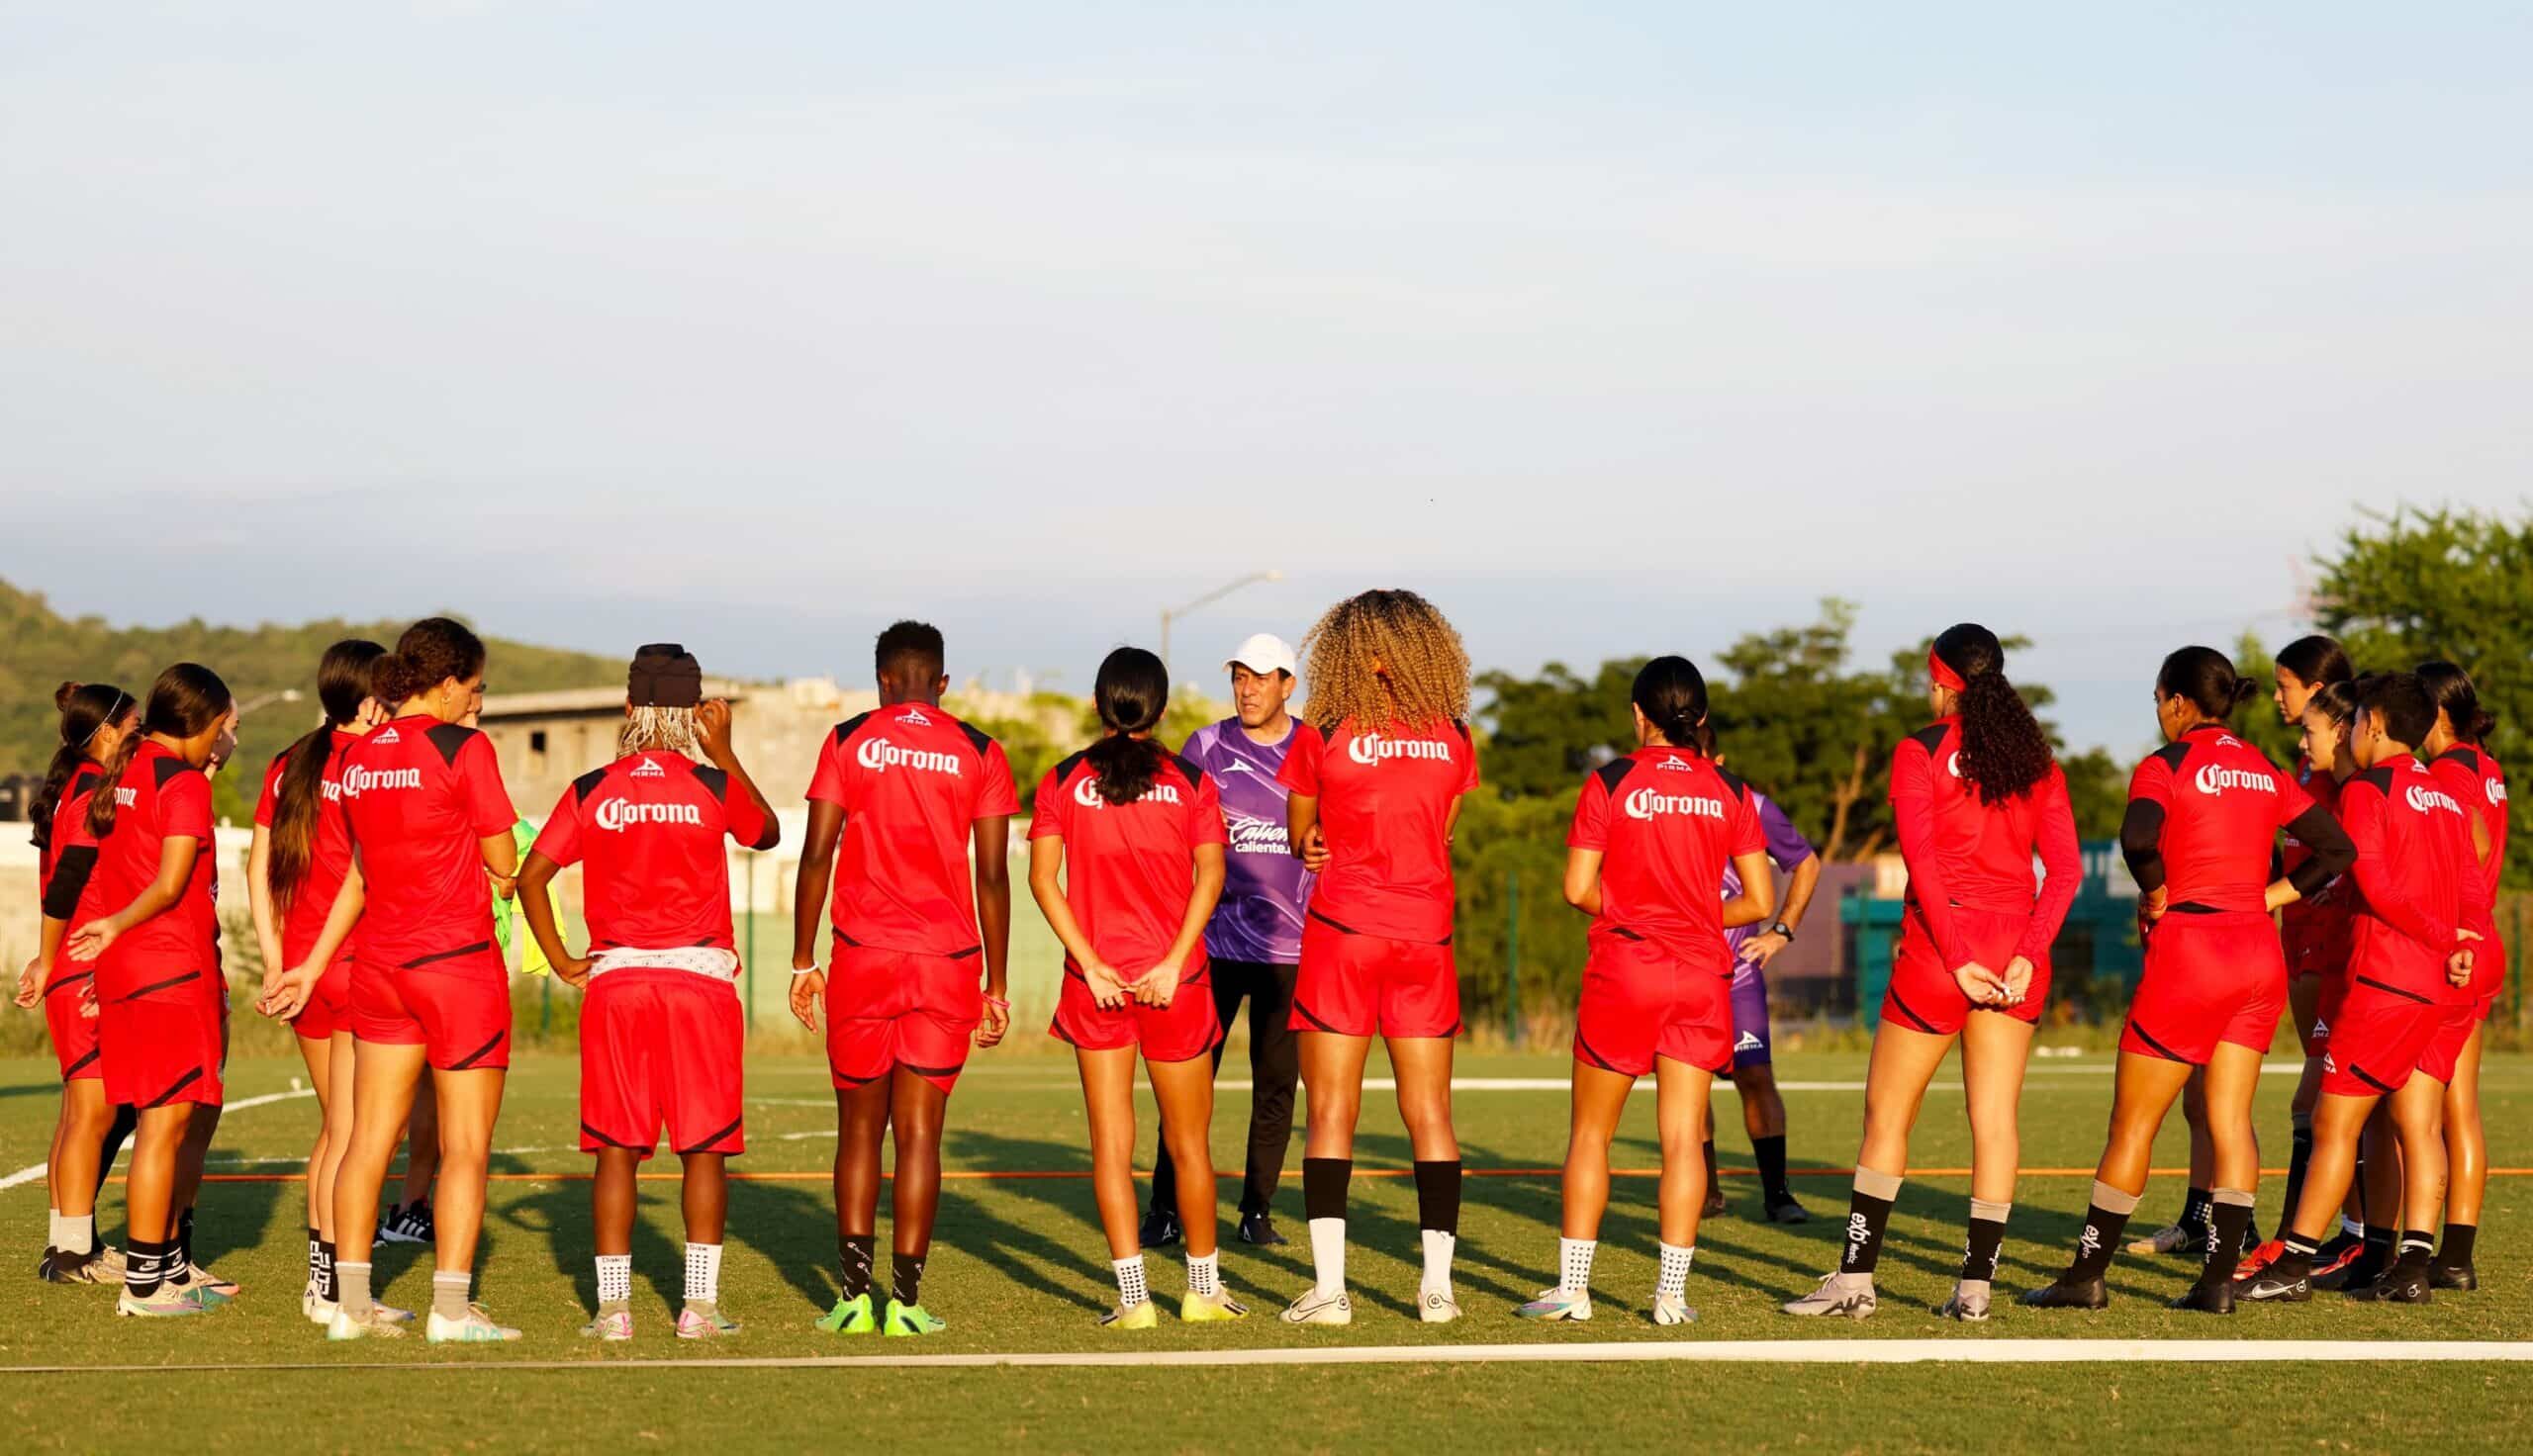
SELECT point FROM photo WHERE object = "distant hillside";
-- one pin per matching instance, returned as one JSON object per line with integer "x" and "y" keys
{"x": 40, "y": 649}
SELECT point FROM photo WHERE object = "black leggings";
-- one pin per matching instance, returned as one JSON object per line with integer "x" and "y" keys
{"x": 1275, "y": 1068}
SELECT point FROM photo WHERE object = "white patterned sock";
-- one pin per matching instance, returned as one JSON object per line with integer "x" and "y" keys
{"x": 1205, "y": 1273}
{"x": 703, "y": 1273}
{"x": 1673, "y": 1275}
{"x": 1574, "y": 1264}
{"x": 1130, "y": 1281}
{"x": 614, "y": 1278}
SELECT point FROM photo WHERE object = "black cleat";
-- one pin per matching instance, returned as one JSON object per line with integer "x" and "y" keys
{"x": 2357, "y": 1273}
{"x": 2207, "y": 1301}
{"x": 2064, "y": 1293}
{"x": 2272, "y": 1287}
{"x": 1161, "y": 1228}
{"x": 1786, "y": 1211}
{"x": 1714, "y": 1201}
{"x": 2399, "y": 1286}
{"x": 2453, "y": 1276}
{"x": 1260, "y": 1229}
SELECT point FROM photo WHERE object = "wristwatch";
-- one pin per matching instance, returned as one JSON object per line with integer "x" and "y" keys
{"x": 1782, "y": 929}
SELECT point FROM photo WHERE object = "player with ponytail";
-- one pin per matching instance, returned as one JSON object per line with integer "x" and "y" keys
{"x": 2457, "y": 757}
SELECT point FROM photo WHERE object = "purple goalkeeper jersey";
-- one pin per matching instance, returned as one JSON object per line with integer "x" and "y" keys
{"x": 1786, "y": 848}
{"x": 1266, "y": 886}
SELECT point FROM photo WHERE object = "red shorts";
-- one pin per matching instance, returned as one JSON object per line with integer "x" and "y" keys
{"x": 889, "y": 1009}
{"x": 329, "y": 1004}
{"x": 1640, "y": 1003}
{"x": 2210, "y": 978}
{"x": 2327, "y": 1010}
{"x": 2383, "y": 1035}
{"x": 457, "y": 1011}
{"x": 167, "y": 1044}
{"x": 1182, "y": 1030}
{"x": 662, "y": 1047}
{"x": 2316, "y": 942}
{"x": 1359, "y": 985}
{"x": 74, "y": 1035}
{"x": 1923, "y": 996}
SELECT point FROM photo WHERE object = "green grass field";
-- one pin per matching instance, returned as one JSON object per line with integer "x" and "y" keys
{"x": 1018, "y": 1266}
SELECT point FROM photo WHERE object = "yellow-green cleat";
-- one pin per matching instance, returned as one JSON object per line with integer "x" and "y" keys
{"x": 1210, "y": 1308}
{"x": 908, "y": 1319}
{"x": 850, "y": 1317}
{"x": 1138, "y": 1315}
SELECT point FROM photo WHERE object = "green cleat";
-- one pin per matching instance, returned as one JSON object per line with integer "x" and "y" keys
{"x": 910, "y": 1319}
{"x": 849, "y": 1317}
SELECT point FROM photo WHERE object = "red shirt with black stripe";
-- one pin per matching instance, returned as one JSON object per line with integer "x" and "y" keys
{"x": 2224, "y": 803}
{"x": 174, "y": 953}
{"x": 2414, "y": 876}
{"x": 329, "y": 851}
{"x": 1385, "y": 810}
{"x": 913, "y": 781}
{"x": 1969, "y": 854}
{"x": 1669, "y": 823}
{"x": 648, "y": 832}
{"x": 1130, "y": 869}
{"x": 68, "y": 871}
{"x": 421, "y": 797}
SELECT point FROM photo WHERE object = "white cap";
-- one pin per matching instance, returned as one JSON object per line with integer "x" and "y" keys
{"x": 1263, "y": 651}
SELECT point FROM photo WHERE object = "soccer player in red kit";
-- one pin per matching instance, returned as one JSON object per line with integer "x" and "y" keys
{"x": 2409, "y": 993}
{"x": 1376, "y": 772}
{"x": 1126, "y": 860}
{"x": 2457, "y": 757}
{"x": 162, "y": 1004}
{"x": 299, "y": 861}
{"x": 1976, "y": 795}
{"x": 2199, "y": 834}
{"x": 430, "y": 834}
{"x": 662, "y": 1031}
{"x": 899, "y": 797}
{"x": 95, "y": 719}
{"x": 1653, "y": 833}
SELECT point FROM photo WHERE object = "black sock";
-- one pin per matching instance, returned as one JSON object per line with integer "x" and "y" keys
{"x": 144, "y": 1267}
{"x": 2374, "y": 1256}
{"x": 2339, "y": 1242}
{"x": 2227, "y": 1221}
{"x": 2100, "y": 1240}
{"x": 1987, "y": 1241}
{"x": 1770, "y": 1153}
{"x": 1324, "y": 1181}
{"x": 1437, "y": 1195}
{"x": 1714, "y": 1185}
{"x": 2457, "y": 1252}
{"x": 2193, "y": 1214}
{"x": 2300, "y": 1153}
{"x": 316, "y": 1260}
{"x": 905, "y": 1278}
{"x": 329, "y": 1288}
{"x": 126, "y": 1119}
{"x": 1866, "y": 1215}
{"x": 2295, "y": 1261}
{"x": 185, "y": 1240}
{"x": 854, "y": 1254}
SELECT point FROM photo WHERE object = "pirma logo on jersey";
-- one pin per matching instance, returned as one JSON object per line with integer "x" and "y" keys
{"x": 1371, "y": 748}
{"x": 614, "y": 815}
{"x": 2213, "y": 778}
{"x": 1086, "y": 792}
{"x": 2423, "y": 799}
{"x": 2497, "y": 788}
{"x": 1645, "y": 803}
{"x": 879, "y": 754}
{"x": 358, "y": 780}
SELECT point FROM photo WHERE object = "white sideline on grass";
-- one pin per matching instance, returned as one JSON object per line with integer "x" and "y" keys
{"x": 31, "y": 1173}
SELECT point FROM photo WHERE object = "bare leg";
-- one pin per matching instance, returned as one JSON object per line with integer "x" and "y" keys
{"x": 383, "y": 1080}
{"x": 1599, "y": 1098}
{"x": 1108, "y": 1102}
{"x": 1680, "y": 1118}
{"x": 915, "y": 1107}
{"x": 1333, "y": 1088}
{"x": 1994, "y": 1049}
{"x": 469, "y": 1102}
{"x": 1184, "y": 1093}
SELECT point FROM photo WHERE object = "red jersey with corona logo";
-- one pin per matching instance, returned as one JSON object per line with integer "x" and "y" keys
{"x": 2472, "y": 777}
{"x": 421, "y": 797}
{"x": 1968, "y": 855}
{"x": 329, "y": 851}
{"x": 1130, "y": 869}
{"x": 1386, "y": 809}
{"x": 2317, "y": 924}
{"x": 1667, "y": 822}
{"x": 647, "y": 831}
{"x": 2224, "y": 803}
{"x": 67, "y": 867}
{"x": 913, "y": 781}
{"x": 170, "y": 955}
{"x": 2414, "y": 875}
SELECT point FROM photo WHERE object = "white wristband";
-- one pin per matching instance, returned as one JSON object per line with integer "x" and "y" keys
{"x": 804, "y": 970}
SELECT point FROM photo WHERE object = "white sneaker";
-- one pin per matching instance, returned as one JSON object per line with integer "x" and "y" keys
{"x": 2165, "y": 1240}
{"x": 1314, "y": 1308}
{"x": 376, "y": 1326}
{"x": 1436, "y": 1307}
{"x": 1672, "y": 1309}
{"x": 1851, "y": 1294}
{"x": 475, "y": 1330}
{"x": 1556, "y": 1304}
{"x": 615, "y": 1323}
{"x": 1969, "y": 1302}
{"x": 317, "y": 1309}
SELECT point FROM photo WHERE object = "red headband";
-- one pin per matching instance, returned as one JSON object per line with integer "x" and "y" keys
{"x": 1944, "y": 675}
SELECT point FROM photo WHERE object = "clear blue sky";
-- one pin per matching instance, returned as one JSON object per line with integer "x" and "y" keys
{"x": 1617, "y": 328}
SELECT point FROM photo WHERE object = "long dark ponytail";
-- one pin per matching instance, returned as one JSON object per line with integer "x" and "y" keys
{"x": 2003, "y": 752}
{"x": 1132, "y": 692}
{"x": 187, "y": 699}
{"x": 85, "y": 708}
{"x": 342, "y": 684}
{"x": 2205, "y": 678}
{"x": 1671, "y": 693}
{"x": 432, "y": 650}
{"x": 2450, "y": 689}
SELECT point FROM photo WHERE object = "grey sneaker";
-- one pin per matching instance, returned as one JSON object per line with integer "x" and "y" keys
{"x": 1851, "y": 1294}
{"x": 614, "y": 1322}
{"x": 1969, "y": 1302}
{"x": 2172, "y": 1239}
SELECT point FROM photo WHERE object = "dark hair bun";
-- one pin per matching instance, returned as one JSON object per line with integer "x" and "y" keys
{"x": 62, "y": 697}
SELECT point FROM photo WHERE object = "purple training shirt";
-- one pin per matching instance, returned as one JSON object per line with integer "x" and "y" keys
{"x": 1266, "y": 886}
{"x": 1786, "y": 848}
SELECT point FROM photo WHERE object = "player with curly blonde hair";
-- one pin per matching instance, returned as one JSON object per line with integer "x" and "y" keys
{"x": 1377, "y": 774}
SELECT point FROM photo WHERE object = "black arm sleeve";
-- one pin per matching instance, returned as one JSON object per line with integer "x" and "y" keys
{"x": 70, "y": 877}
{"x": 2317, "y": 831}
{"x": 2141, "y": 833}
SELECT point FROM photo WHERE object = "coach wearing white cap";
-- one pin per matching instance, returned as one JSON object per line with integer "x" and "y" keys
{"x": 1254, "y": 940}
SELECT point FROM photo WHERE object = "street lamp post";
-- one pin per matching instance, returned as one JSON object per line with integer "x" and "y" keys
{"x": 1218, "y": 594}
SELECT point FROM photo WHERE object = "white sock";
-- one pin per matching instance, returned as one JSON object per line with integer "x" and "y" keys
{"x": 451, "y": 1292}
{"x": 2351, "y": 1226}
{"x": 1204, "y": 1273}
{"x": 54, "y": 1237}
{"x": 1328, "y": 1257}
{"x": 614, "y": 1278}
{"x": 1438, "y": 1260}
{"x": 1574, "y": 1265}
{"x": 703, "y": 1273}
{"x": 79, "y": 1235}
{"x": 1130, "y": 1281}
{"x": 352, "y": 1288}
{"x": 1673, "y": 1276}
